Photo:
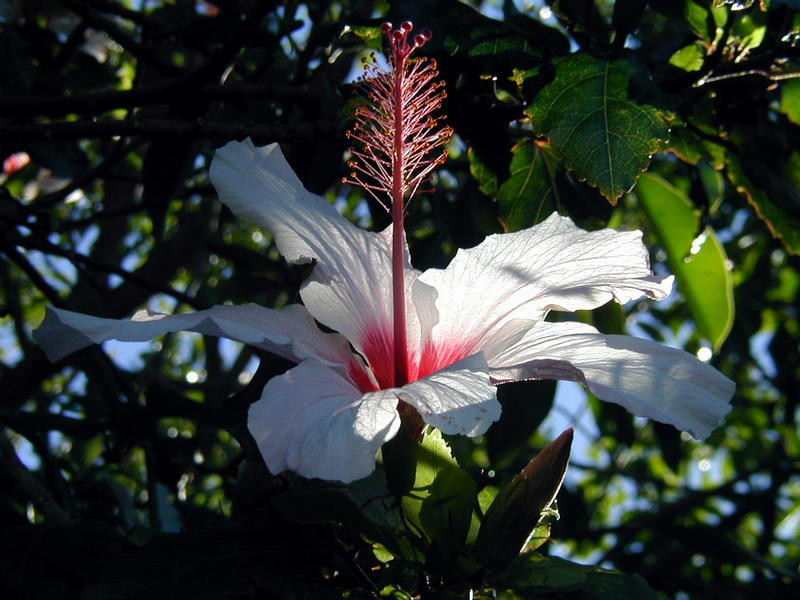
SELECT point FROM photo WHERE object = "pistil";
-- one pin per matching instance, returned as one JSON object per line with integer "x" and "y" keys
{"x": 397, "y": 143}
{"x": 398, "y": 232}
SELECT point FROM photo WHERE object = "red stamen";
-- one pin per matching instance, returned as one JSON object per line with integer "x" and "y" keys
{"x": 397, "y": 144}
{"x": 398, "y": 235}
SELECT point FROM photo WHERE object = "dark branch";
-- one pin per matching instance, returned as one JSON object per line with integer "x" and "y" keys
{"x": 163, "y": 127}
{"x": 85, "y": 261}
{"x": 175, "y": 92}
{"x": 30, "y": 487}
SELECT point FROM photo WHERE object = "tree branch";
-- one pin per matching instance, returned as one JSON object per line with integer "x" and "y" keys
{"x": 163, "y": 127}
{"x": 176, "y": 91}
{"x": 30, "y": 486}
{"x": 85, "y": 261}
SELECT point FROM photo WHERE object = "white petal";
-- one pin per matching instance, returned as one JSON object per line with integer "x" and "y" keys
{"x": 315, "y": 422}
{"x": 290, "y": 333}
{"x": 520, "y": 276}
{"x": 457, "y": 399}
{"x": 258, "y": 184}
{"x": 649, "y": 379}
{"x": 350, "y": 287}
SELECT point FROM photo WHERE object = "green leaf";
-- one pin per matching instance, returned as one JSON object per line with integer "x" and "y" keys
{"x": 707, "y": 24}
{"x": 366, "y": 506}
{"x": 694, "y": 143}
{"x": 594, "y": 126}
{"x": 540, "y": 535}
{"x": 487, "y": 180}
{"x": 790, "y": 100}
{"x": 539, "y": 184}
{"x": 749, "y": 31}
{"x": 688, "y": 58}
{"x": 395, "y": 592}
{"x": 684, "y": 144}
{"x": 534, "y": 575}
{"x": 695, "y": 257}
{"x": 372, "y": 37}
{"x": 439, "y": 504}
{"x": 713, "y": 185}
{"x": 781, "y": 224}
{"x": 530, "y": 194}
{"x": 484, "y": 498}
{"x": 488, "y": 44}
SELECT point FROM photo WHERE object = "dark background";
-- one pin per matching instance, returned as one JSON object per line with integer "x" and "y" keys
{"x": 128, "y": 472}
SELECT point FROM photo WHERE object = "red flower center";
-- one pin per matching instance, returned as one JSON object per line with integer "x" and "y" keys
{"x": 378, "y": 351}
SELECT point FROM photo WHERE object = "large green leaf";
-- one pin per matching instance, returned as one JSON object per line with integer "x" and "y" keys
{"x": 695, "y": 257}
{"x": 533, "y": 575}
{"x": 594, "y": 125}
{"x": 439, "y": 504}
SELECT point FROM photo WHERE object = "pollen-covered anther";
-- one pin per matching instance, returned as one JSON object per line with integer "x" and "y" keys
{"x": 397, "y": 128}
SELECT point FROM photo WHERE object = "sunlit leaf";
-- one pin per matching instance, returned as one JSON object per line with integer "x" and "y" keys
{"x": 594, "y": 125}
{"x": 790, "y": 100}
{"x": 487, "y": 180}
{"x": 706, "y": 22}
{"x": 440, "y": 501}
{"x": 688, "y": 58}
{"x": 749, "y": 31}
{"x": 694, "y": 255}
{"x": 372, "y": 37}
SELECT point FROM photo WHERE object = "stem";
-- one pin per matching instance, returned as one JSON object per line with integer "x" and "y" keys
{"x": 398, "y": 277}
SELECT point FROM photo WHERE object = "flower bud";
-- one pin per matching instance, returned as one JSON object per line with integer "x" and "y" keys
{"x": 518, "y": 507}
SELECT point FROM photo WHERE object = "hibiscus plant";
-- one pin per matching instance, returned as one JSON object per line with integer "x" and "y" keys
{"x": 407, "y": 299}
{"x": 389, "y": 358}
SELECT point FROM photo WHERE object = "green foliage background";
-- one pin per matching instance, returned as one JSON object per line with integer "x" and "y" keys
{"x": 130, "y": 473}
